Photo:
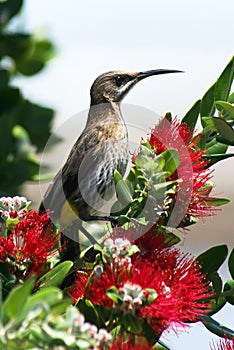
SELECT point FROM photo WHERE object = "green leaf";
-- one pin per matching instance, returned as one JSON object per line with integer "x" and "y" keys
{"x": 9, "y": 9}
{"x": 149, "y": 333}
{"x": 221, "y": 126}
{"x": 114, "y": 295}
{"x": 56, "y": 276}
{"x": 217, "y": 328}
{"x": 215, "y": 148}
{"x": 41, "y": 52}
{"x": 229, "y": 287}
{"x": 215, "y": 158}
{"x": 231, "y": 263}
{"x": 231, "y": 98}
{"x": 224, "y": 82}
{"x": 132, "y": 324}
{"x": 37, "y": 120}
{"x": 216, "y": 202}
{"x": 216, "y": 283}
{"x": 226, "y": 109}
{"x": 18, "y": 296}
{"x": 15, "y": 45}
{"x": 171, "y": 160}
{"x": 192, "y": 115}
{"x": 49, "y": 296}
{"x": 212, "y": 259}
{"x": 122, "y": 190}
{"x": 86, "y": 307}
{"x": 207, "y": 103}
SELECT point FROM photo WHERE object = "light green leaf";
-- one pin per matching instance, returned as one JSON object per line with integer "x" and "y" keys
{"x": 56, "y": 276}
{"x": 18, "y": 296}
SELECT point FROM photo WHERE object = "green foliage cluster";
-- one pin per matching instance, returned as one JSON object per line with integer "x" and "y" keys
{"x": 24, "y": 126}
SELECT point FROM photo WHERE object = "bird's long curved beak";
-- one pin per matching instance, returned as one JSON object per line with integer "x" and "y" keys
{"x": 149, "y": 73}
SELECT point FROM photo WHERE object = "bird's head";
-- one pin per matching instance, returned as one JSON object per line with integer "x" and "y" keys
{"x": 113, "y": 86}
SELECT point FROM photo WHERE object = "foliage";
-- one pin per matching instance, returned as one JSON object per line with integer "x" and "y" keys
{"x": 138, "y": 283}
{"x": 24, "y": 126}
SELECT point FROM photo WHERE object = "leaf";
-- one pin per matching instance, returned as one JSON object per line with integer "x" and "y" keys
{"x": 9, "y": 9}
{"x": 212, "y": 259}
{"x": 221, "y": 126}
{"x": 171, "y": 160}
{"x": 217, "y": 328}
{"x": 224, "y": 82}
{"x": 207, "y": 102}
{"x": 192, "y": 115}
{"x": 229, "y": 287}
{"x": 56, "y": 276}
{"x": 216, "y": 202}
{"x": 231, "y": 98}
{"x": 216, "y": 283}
{"x": 132, "y": 324}
{"x": 215, "y": 158}
{"x": 122, "y": 190}
{"x": 49, "y": 296}
{"x": 215, "y": 148}
{"x": 18, "y": 296}
{"x": 231, "y": 263}
{"x": 226, "y": 109}
{"x": 149, "y": 333}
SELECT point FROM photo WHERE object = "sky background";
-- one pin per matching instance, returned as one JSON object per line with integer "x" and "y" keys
{"x": 94, "y": 37}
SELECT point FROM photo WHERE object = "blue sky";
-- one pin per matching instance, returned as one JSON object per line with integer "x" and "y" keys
{"x": 97, "y": 36}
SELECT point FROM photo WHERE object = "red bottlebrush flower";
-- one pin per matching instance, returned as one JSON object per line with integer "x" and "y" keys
{"x": 28, "y": 248}
{"x": 224, "y": 344}
{"x": 130, "y": 344}
{"x": 164, "y": 287}
{"x": 193, "y": 193}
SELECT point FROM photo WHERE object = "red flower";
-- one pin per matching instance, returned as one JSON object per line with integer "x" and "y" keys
{"x": 130, "y": 344}
{"x": 224, "y": 344}
{"x": 193, "y": 192}
{"x": 178, "y": 285}
{"x": 28, "y": 248}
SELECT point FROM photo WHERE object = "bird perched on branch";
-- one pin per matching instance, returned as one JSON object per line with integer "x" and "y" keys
{"x": 85, "y": 181}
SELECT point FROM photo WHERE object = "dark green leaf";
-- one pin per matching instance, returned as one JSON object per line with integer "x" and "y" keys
{"x": 9, "y": 9}
{"x": 149, "y": 333}
{"x": 217, "y": 328}
{"x": 37, "y": 121}
{"x": 216, "y": 283}
{"x": 132, "y": 324}
{"x": 229, "y": 287}
{"x": 221, "y": 126}
{"x": 192, "y": 115}
{"x": 15, "y": 45}
{"x": 91, "y": 315}
{"x": 18, "y": 296}
{"x": 215, "y": 158}
{"x": 207, "y": 103}
{"x": 231, "y": 263}
{"x": 224, "y": 82}
{"x": 56, "y": 276}
{"x": 212, "y": 259}
{"x": 36, "y": 59}
{"x": 215, "y": 148}
{"x": 226, "y": 109}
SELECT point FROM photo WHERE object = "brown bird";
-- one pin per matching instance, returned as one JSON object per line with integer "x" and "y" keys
{"x": 85, "y": 181}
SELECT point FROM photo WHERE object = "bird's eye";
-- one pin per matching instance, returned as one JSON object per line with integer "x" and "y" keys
{"x": 119, "y": 80}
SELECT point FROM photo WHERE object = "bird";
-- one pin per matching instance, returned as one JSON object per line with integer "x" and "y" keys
{"x": 86, "y": 180}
